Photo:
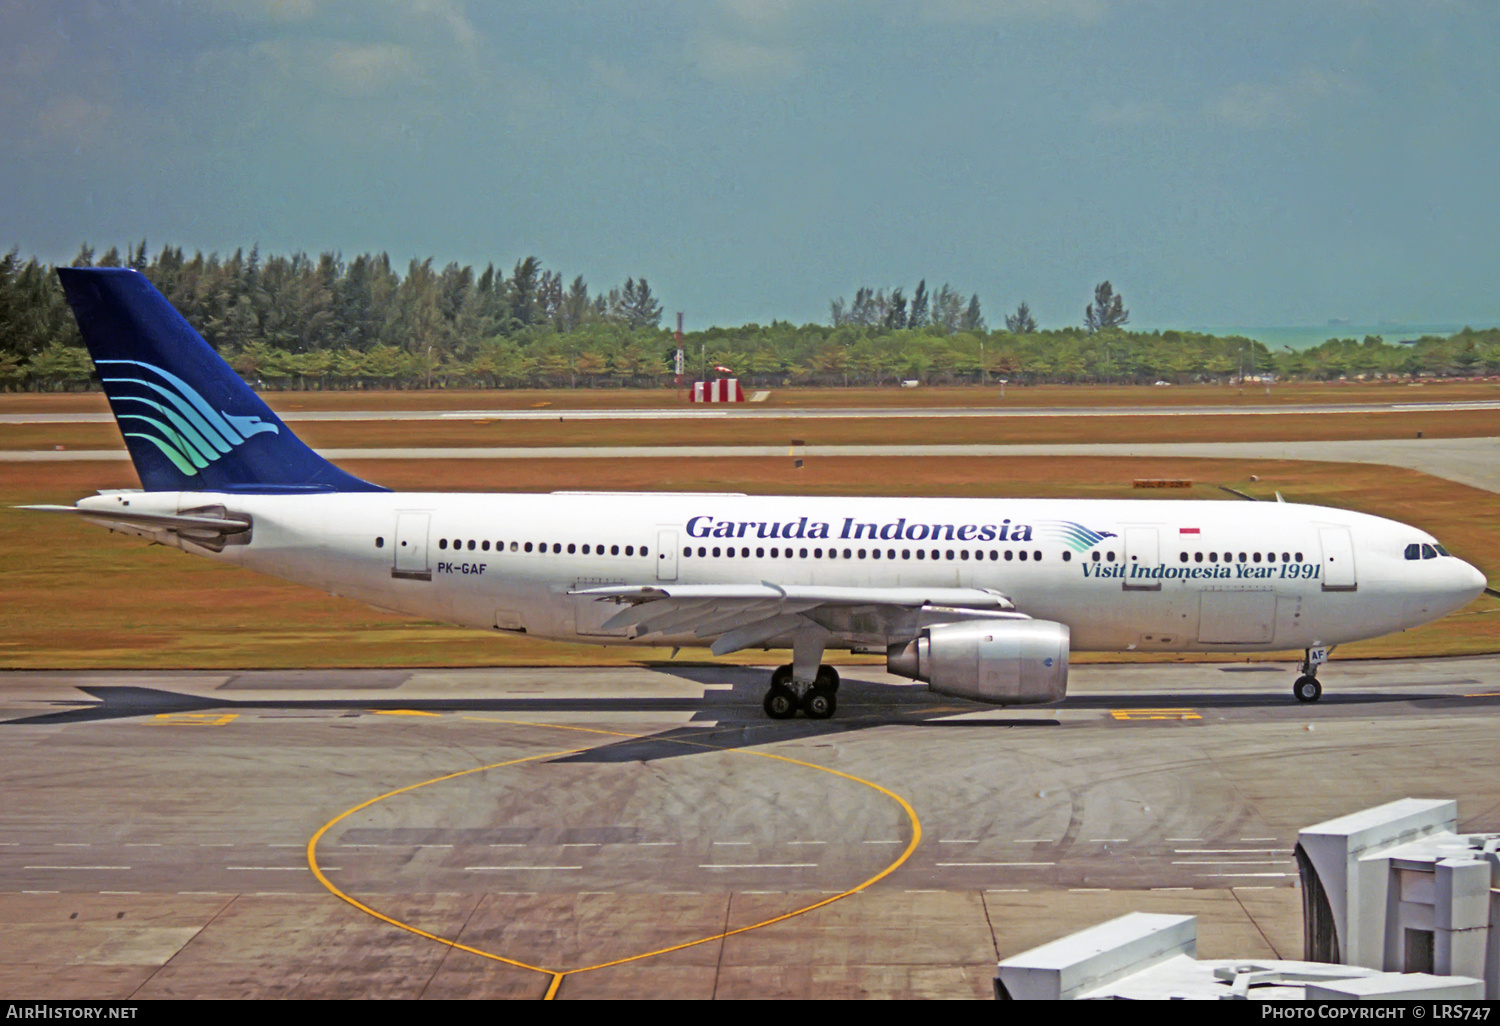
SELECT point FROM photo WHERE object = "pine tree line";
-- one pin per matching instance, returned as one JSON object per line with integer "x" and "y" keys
{"x": 299, "y": 322}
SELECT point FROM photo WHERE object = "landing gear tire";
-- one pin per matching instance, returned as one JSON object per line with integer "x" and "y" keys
{"x": 781, "y": 676}
{"x": 819, "y": 703}
{"x": 781, "y": 702}
{"x": 827, "y": 678}
{"x": 1307, "y": 688}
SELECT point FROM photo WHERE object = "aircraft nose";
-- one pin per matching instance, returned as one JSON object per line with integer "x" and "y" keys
{"x": 1470, "y": 582}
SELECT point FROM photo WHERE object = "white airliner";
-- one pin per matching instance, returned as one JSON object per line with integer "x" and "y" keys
{"x": 981, "y": 598}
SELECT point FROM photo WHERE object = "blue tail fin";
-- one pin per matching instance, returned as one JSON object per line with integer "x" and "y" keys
{"x": 189, "y": 421}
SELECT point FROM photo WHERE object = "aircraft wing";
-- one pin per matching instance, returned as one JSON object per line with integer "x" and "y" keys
{"x": 744, "y": 616}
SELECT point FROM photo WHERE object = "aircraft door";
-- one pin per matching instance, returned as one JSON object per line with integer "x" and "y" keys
{"x": 1338, "y": 559}
{"x": 1142, "y": 558}
{"x": 666, "y": 555}
{"x": 411, "y": 547}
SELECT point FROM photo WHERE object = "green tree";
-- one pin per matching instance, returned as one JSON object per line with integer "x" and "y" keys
{"x": 1106, "y": 311}
{"x": 1021, "y": 322}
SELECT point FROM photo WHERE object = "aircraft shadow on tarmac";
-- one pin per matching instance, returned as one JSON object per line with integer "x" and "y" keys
{"x": 733, "y": 718}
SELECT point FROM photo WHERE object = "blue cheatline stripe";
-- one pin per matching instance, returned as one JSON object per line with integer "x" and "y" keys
{"x": 191, "y": 396}
{"x": 186, "y": 408}
{"x": 170, "y": 437}
{"x": 171, "y": 453}
{"x": 184, "y": 429}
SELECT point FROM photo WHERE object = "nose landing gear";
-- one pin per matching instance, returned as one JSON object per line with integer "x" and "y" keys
{"x": 1306, "y": 688}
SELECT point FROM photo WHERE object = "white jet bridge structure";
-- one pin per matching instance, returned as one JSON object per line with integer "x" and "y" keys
{"x": 1397, "y": 906}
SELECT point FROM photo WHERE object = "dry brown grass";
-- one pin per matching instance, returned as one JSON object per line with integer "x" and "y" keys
{"x": 866, "y": 431}
{"x": 72, "y": 595}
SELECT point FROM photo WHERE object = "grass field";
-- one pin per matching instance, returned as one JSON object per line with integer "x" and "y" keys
{"x": 839, "y": 431}
{"x": 824, "y": 398}
{"x": 72, "y": 595}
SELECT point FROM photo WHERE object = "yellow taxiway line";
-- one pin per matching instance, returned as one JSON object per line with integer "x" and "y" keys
{"x": 557, "y": 975}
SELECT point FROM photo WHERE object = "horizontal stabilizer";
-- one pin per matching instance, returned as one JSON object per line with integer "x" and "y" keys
{"x": 212, "y": 528}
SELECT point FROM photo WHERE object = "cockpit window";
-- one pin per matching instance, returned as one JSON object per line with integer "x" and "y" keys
{"x": 1414, "y": 551}
{"x": 1441, "y": 551}
{"x": 1428, "y": 552}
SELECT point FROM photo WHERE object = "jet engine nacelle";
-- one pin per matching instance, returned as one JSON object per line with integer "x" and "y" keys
{"x": 1008, "y": 662}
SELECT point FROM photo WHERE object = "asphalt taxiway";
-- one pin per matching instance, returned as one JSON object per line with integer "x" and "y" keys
{"x": 646, "y": 831}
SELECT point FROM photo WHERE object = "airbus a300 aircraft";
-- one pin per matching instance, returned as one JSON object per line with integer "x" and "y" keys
{"x": 980, "y": 598}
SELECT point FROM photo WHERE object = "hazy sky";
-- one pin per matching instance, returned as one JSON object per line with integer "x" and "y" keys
{"x": 1221, "y": 163}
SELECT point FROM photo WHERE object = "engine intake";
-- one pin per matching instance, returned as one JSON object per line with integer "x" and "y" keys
{"x": 1008, "y": 662}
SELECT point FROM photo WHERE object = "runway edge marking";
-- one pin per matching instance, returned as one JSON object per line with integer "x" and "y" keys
{"x": 556, "y": 975}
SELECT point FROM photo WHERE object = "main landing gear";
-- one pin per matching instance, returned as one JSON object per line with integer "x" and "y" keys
{"x": 1307, "y": 688}
{"x": 818, "y": 700}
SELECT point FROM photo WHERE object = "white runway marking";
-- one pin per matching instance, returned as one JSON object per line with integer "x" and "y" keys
{"x": 1227, "y": 851}
{"x": 762, "y": 865}
{"x": 992, "y": 865}
{"x": 280, "y": 869}
{"x": 507, "y": 869}
{"x": 75, "y": 867}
